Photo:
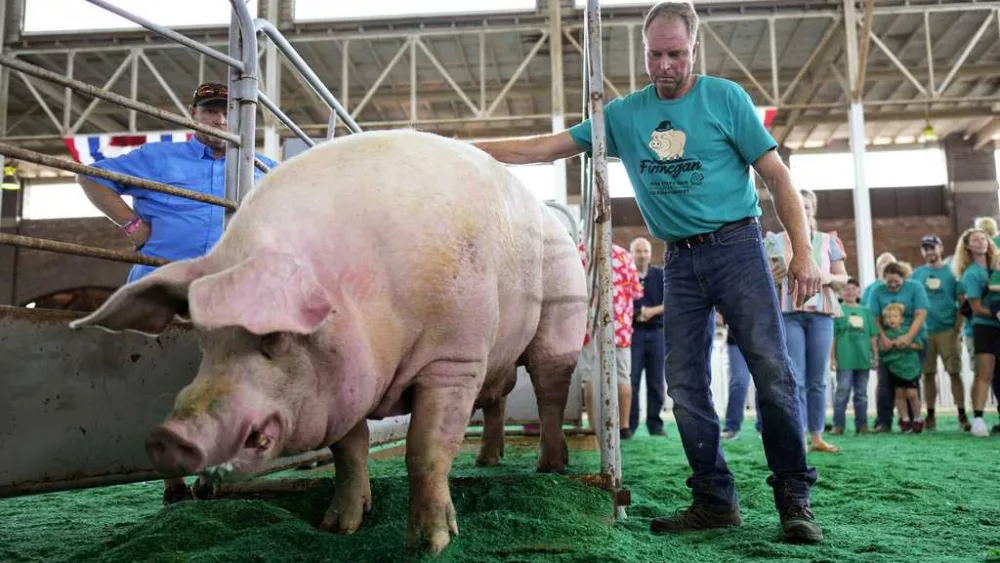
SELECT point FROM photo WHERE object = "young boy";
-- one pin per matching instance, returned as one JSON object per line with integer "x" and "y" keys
{"x": 903, "y": 364}
{"x": 853, "y": 356}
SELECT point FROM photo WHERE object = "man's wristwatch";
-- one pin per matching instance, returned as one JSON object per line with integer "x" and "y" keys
{"x": 132, "y": 225}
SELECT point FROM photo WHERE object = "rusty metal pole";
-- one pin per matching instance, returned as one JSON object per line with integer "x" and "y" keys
{"x": 608, "y": 432}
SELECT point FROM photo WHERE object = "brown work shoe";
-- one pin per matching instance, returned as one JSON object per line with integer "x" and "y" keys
{"x": 882, "y": 429}
{"x": 930, "y": 423}
{"x": 963, "y": 422}
{"x": 862, "y": 430}
{"x": 800, "y": 526}
{"x": 698, "y": 517}
{"x": 836, "y": 431}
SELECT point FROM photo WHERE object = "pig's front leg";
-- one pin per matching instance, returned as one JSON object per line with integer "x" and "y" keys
{"x": 352, "y": 496}
{"x": 443, "y": 397}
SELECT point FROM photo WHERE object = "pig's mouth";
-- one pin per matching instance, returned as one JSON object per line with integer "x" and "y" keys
{"x": 259, "y": 442}
{"x": 261, "y": 439}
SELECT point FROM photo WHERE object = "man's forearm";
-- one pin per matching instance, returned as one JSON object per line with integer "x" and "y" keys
{"x": 531, "y": 150}
{"x": 791, "y": 212}
{"x": 508, "y": 151}
{"x": 107, "y": 201}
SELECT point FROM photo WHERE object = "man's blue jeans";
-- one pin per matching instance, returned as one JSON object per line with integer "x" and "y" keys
{"x": 731, "y": 271}
{"x": 809, "y": 337}
{"x": 851, "y": 380}
{"x": 647, "y": 354}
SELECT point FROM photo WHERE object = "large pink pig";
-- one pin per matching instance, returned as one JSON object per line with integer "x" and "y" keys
{"x": 379, "y": 274}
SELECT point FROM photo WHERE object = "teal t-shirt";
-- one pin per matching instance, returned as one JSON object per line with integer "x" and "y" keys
{"x": 688, "y": 159}
{"x": 912, "y": 296}
{"x": 866, "y": 296}
{"x": 853, "y": 332}
{"x": 975, "y": 280}
{"x": 942, "y": 293}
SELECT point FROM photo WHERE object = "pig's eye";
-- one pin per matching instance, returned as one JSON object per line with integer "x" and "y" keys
{"x": 271, "y": 345}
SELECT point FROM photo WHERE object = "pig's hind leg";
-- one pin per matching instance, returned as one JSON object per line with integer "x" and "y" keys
{"x": 550, "y": 360}
{"x": 492, "y": 448}
{"x": 352, "y": 496}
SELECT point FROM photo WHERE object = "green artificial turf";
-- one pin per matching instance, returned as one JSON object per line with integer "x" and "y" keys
{"x": 895, "y": 498}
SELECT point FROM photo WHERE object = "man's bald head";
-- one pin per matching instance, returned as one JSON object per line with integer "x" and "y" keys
{"x": 642, "y": 253}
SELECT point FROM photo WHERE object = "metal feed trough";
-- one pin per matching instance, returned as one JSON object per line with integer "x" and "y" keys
{"x": 75, "y": 406}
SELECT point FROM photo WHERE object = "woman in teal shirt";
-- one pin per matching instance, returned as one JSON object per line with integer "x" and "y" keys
{"x": 975, "y": 259}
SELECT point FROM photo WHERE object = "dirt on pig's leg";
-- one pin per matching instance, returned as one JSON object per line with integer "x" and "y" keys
{"x": 352, "y": 496}
{"x": 443, "y": 397}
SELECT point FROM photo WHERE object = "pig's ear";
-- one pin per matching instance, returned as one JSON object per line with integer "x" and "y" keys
{"x": 148, "y": 305}
{"x": 267, "y": 293}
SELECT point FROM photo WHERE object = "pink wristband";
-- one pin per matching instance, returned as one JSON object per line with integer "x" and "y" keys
{"x": 132, "y": 225}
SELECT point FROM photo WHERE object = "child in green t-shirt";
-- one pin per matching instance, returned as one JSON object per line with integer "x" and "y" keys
{"x": 904, "y": 367}
{"x": 853, "y": 355}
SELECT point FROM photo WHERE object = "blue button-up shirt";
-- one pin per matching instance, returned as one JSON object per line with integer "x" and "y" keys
{"x": 180, "y": 228}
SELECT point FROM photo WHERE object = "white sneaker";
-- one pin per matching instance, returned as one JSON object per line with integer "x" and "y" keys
{"x": 979, "y": 428}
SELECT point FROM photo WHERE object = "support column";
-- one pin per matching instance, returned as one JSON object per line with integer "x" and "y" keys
{"x": 856, "y": 122}
{"x": 9, "y": 200}
{"x": 558, "y": 93}
{"x": 972, "y": 179}
{"x": 272, "y": 87}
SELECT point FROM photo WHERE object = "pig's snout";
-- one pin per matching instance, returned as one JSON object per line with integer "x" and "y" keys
{"x": 173, "y": 454}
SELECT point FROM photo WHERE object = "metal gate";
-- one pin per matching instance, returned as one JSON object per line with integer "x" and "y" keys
{"x": 77, "y": 405}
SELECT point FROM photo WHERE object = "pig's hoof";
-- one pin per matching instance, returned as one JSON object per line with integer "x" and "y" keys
{"x": 433, "y": 530}
{"x": 176, "y": 493}
{"x": 345, "y": 517}
{"x": 433, "y": 545}
{"x": 550, "y": 466}
{"x": 487, "y": 460}
{"x": 489, "y": 456}
{"x": 554, "y": 461}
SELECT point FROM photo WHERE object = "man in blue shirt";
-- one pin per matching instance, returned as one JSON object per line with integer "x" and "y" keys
{"x": 943, "y": 326}
{"x": 163, "y": 225}
{"x": 647, "y": 340}
{"x": 688, "y": 143}
{"x": 169, "y": 226}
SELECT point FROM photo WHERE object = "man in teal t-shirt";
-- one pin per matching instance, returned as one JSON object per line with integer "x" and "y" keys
{"x": 943, "y": 326}
{"x": 688, "y": 143}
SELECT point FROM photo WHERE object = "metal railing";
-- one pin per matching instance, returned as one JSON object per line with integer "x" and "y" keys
{"x": 240, "y": 135}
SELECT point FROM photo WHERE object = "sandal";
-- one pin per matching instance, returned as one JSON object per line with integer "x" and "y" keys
{"x": 824, "y": 447}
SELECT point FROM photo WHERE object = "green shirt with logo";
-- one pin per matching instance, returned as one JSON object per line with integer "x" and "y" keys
{"x": 902, "y": 362}
{"x": 853, "y": 332}
{"x": 688, "y": 159}
{"x": 941, "y": 287}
